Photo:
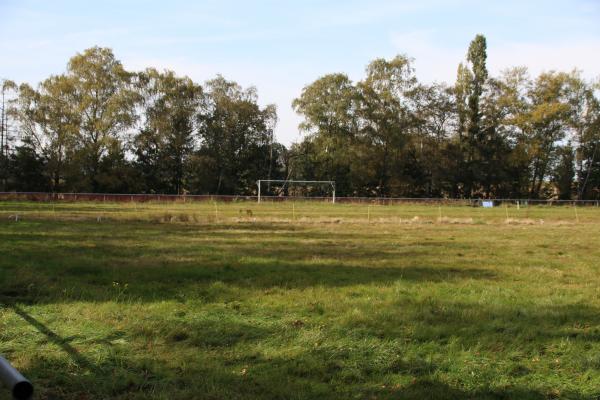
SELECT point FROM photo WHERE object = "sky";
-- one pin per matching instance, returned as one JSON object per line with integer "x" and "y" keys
{"x": 280, "y": 46}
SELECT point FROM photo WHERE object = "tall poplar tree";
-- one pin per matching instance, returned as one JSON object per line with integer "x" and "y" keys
{"x": 470, "y": 84}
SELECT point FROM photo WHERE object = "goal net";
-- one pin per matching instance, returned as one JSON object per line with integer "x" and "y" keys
{"x": 294, "y": 188}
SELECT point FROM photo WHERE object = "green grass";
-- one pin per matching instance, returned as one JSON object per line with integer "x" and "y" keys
{"x": 296, "y": 211}
{"x": 319, "y": 305}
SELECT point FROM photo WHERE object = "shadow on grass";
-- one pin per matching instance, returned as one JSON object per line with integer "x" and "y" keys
{"x": 146, "y": 262}
{"x": 275, "y": 378}
{"x": 495, "y": 328}
{"x": 52, "y": 337}
{"x": 221, "y": 358}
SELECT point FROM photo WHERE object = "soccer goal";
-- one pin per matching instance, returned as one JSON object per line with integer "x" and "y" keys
{"x": 279, "y": 187}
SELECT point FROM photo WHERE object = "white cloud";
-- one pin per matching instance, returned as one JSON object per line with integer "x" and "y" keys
{"x": 360, "y": 13}
{"x": 433, "y": 61}
{"x": 564, "y": 56}
{"x": 437, "y": 62}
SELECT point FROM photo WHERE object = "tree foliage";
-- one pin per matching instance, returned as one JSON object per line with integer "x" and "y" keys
{"x": 98, "y": 127}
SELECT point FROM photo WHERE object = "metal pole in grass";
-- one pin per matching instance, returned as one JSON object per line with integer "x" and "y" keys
{"x": 19, "y": 386}
{"x": 576, "y": 214}
{"x": 333, "y": 198}
{"x": 216, "y": 212}
{"x": 506, "y": 210}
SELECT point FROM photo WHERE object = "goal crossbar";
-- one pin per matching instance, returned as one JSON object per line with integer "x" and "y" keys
{"x": 286, "y": 181}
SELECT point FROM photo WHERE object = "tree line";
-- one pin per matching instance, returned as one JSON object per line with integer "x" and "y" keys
{"x": 100, "y": 128}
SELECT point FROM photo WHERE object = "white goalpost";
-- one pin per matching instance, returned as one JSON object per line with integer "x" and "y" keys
{"x": 287, "y": 182}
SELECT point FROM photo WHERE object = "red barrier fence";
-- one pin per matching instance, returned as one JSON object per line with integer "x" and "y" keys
{"x": 114, "y": 197}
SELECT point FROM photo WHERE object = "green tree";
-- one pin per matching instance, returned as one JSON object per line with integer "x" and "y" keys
{"x": 329, "y": 109}
{"x": 545, "y": 124}
{"x": 104, "y": 99}
{"x": 8, "y": 90}
{"x": 27, "y": 169}
{"x": 585, "y": 128}
{"x": 436, "y": 119}
{"x": 565, "y": 172}
{"x": 166, "y": 142}
{"x": 235, "y": 133}
{"x": 387, "y": 119}
{"x": 470, "y": 86}
{"x": 49, "y": 123}
{"x": 506, "y": 107}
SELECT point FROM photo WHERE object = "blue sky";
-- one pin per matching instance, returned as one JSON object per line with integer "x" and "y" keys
{"x": 280, "y": 46}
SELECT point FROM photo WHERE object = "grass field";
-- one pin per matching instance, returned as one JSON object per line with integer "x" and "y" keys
{"x": 297, "y": 211}
{"x": 301, "y": 301}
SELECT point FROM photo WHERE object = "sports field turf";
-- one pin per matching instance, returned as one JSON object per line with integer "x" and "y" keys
{"x": 301, "y": 301}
